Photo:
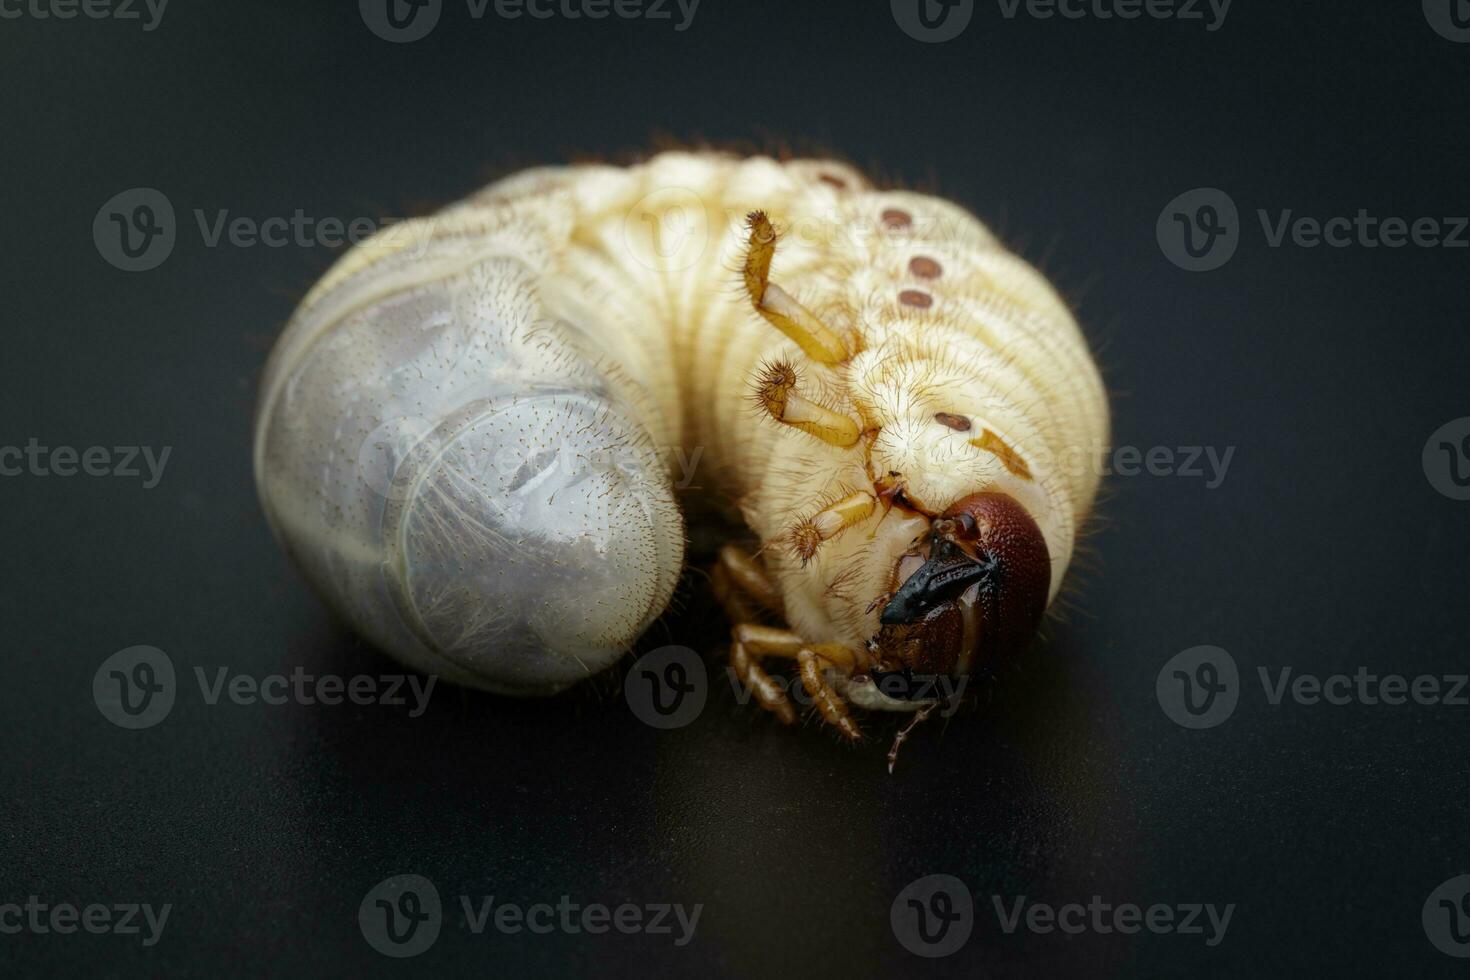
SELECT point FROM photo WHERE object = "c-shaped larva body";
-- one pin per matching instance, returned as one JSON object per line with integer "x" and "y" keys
{"x": 465, "y": 433}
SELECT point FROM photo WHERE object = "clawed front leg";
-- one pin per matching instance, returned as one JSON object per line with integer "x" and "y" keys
{"x": 738, "y": 581}
{"x": 751, "y": 642}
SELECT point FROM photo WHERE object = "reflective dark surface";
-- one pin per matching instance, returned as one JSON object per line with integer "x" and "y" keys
{"x": 1324, "y": 547}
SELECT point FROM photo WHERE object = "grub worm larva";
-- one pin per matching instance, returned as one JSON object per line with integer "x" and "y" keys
{"x": 463, "y": 434}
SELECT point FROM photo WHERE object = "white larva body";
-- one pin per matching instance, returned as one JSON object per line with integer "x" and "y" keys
{"x": 464, "y": 434}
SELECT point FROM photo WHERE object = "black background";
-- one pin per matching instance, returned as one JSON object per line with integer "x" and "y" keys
{"x": 1324, "y": 549}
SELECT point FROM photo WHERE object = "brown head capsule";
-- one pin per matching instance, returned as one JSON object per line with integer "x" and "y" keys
{"x": 970, "y": 595}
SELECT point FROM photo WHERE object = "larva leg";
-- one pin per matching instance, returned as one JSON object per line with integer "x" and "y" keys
{"x": 809, "y": 534}
{"x": 751, "y": 641}
{"x": 778, "y": 307}
{"x": 829, "y": 703}
{"x": 730, "y": 597}
{"x": 744, "y": 573}
{"x": 776, "y": 390}
{"x": 737, "y": 578}
{"x": 769, "y": 641}
{"x": 747, "y": 667}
